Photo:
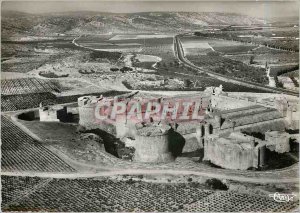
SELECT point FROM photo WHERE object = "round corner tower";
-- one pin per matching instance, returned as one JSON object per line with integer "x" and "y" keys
{"x": 86, "y": 108}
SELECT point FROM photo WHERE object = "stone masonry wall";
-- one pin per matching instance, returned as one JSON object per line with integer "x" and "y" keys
{"x": 152, "y": 149}
{"x": 230, "y": 156}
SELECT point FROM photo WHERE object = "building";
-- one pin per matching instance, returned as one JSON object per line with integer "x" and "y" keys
{"x": 234, "y": 131}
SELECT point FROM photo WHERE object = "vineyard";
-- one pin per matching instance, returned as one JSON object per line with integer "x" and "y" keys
{"x": 258, "y": 38}
{"x": 269, "y": 58}
{"x": 108, "y": 195}
{"x": 28, "y": 101}
{"x": 28, "y": 85}
{"x": 25, "y": 101}
{"x": 15, "y": 188}
{"x": 230, "y": 67}
{"x": 238, "y": 202}
{"x": 20, "y": 152}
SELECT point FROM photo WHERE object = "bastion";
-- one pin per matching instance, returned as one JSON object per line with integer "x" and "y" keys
{"x": 151, "y": 145}
{"x": 236, "y": 151}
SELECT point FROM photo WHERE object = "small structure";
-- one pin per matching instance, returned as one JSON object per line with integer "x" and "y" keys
{"x": 49, "y": 113}
{"x": 57, "y": 113}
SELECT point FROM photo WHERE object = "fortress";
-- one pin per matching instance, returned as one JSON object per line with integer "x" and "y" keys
{"x": 235, "y": 133}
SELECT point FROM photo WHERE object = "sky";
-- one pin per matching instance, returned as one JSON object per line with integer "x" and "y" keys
{"x": 268, "y": 9}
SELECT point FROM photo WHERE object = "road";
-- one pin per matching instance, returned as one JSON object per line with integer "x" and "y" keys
{"x": 179, "y": 53}
{"x": 261, "y": 179}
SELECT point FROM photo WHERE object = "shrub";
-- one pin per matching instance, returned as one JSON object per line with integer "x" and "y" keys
{"x": 125, "y": 69}
{"x": 52, "y": 75}
{"x": 252, "y": 59}
{"x": 294, "y": 81}
{"x": 278, "y": 83}
{"x": 216, "y": 184}
{"x": 187, "y": 83}
{"x": 114, "y": 69}
{"x": 86, "y": 71}
{"x": 127, "y": 85}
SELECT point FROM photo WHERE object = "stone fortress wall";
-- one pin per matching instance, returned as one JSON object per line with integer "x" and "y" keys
{"x": 86, "y": 108}
{"x": 224, "y": 133}
{"x": 232, "y": 152}
{"x": 154, "y": 148}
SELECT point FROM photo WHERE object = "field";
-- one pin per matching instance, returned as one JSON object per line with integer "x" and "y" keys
{"x": 196, "y": 45}
{"x": 144, "y": 44}
{"x": 20, "y": 152}
{"x": 27, "y": 86}
{"x": 28, "y": 101}
{"x": 85, "y": 71}
{"x": 157, "y": 45}
{"x": 237, "y": 202}
{"x": 230, "y": 67}
{"x": 25, "y": 56}
{"x": 283, "y": 38}
{"x": 276, "y": 47}
{"x": 155, "y": 54}
{"x": 108, "y": 195}
{"x": 142, "y": 36}
{"x": 167, "y": 74}
{"x": 214, "y": 58}
{"x": 269, "y": 58}
{"x": 25, "y": 101}
{"x": 17, "y": 188}
{"x": 67, "y": 140}
{"x": 169, "y": 77}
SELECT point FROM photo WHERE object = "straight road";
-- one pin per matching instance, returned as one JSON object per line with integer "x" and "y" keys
{"x": 179, "y": 53}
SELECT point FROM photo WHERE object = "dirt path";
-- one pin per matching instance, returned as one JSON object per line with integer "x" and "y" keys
{"x": 26, "y": 193}
{"x": 260, "y": 180}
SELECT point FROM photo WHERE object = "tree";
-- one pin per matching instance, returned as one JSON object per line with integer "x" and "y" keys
{"x": 187, "y": 83}
{"x": 252, "y": 59}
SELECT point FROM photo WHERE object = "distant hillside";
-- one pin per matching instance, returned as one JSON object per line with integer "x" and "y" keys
{"x": 285, "y": 21}
{"x": 17, "y": 23}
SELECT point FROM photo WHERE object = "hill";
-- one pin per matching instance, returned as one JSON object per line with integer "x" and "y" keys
{"x": 22, "y": 24}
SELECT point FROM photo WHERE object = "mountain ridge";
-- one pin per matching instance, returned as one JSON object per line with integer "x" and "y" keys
{"x": 15, "y": 23}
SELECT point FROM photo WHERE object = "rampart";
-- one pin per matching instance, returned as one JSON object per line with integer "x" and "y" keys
{"x": 224, "y": 115}
{"x": 151, "y": 144}
{"x": 231, "y": 152}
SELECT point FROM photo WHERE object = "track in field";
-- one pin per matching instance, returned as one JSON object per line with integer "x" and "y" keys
{"x": 20, "y": 152}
